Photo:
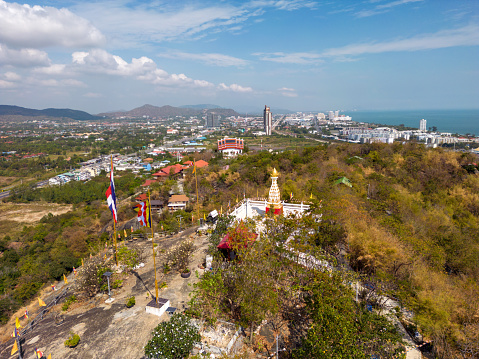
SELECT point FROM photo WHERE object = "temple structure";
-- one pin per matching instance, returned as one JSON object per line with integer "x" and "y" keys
{"x": 252, "y": 208}
{"x": 274, "y": 199}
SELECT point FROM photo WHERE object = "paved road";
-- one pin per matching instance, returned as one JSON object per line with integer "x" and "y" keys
{"x": 4, "y": 194}
{"x": 39, "y": 184}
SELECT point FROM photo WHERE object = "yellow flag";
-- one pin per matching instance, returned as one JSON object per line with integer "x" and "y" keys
{"x": 194, "y": 170}
{"x": 17, "y": 323}
{"x": 82, "y": 261}
{"x": 41, "y": 303}
{"x": 204, "y": 216}
{"x": 311, "y": 197}
{"x": 124, "y": 231}
{"x": 65, "y": 279}
{"x": 49, "y": 356}
{"x": 14, "y": 348}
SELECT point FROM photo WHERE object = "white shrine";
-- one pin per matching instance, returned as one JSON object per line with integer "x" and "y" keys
{"x": 252, "y": 208}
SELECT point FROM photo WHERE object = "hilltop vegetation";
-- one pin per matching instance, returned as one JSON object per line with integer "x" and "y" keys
{"x": 409, "y": 223}
{"x": 408, "y": 226}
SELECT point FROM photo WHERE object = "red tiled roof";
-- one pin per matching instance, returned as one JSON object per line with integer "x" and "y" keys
{"x": 177, "y": 168}
{"x": 148, "y": 182}
{"x": 142, "y": 197}
{"x": 201, "y": 163}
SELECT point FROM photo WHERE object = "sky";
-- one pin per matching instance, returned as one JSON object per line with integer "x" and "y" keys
{"x": 300, "y": 55}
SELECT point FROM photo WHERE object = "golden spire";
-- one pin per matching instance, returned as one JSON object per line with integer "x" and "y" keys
{"x": 275, "y": 173}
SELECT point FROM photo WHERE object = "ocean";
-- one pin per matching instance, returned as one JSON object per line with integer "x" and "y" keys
{"x": 454, "y": 121}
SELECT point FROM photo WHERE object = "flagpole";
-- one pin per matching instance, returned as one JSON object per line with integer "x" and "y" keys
{"x": 114, "y": 223}
{"x": 19, "y": 345}
{"x": 152, "y": 245}
{"x": 197, "y": 198}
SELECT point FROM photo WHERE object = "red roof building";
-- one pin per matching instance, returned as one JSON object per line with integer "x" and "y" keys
{"x": 148, "y": 182}
{"x": 201, "y": 163}
{"x": 142, "y": 197}
{"x": 169, "y": 170}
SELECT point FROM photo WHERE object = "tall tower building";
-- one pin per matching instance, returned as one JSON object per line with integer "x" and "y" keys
{"x": 422, "y": 125}
{"x": 267, "y": 120}
{"x": 212, "y": 120}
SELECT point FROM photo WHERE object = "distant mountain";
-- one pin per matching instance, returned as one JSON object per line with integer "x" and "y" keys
{"x": 201, "y": 106}
{"x": 168, "y": 111}
{"x": 6, "y": 110}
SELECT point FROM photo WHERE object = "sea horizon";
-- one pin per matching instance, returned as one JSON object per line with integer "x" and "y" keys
{"x": 464, "y": 121}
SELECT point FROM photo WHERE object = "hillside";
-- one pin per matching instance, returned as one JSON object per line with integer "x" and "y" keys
{"x": 168, "y": 111}
{"x": 407, "y": 227}
{"x": 11, "y": 111}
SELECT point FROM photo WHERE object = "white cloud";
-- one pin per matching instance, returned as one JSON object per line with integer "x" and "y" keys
{"x": 54, "y": 69}
{"x": 288, "y": 92}
{"x": 207, "y": 58}
{"x": 37, "y": 27}
{"x": 6, "y": 84}
{"x": 23, "y": 57}
{"x": 396, "y": 3}
{"x": 382, "y": 8}
{"x": 101, "y": 62}
{"x": 169, "y": 21}
{"x": 93, "y": 95}
{"x": 144, "y": 23}
{"x": 234, "y": 88}
{"x": 300, "y": 58}
{"x": 288, "y": 5}
{"x": 11, "y": 76}
{"x": 465, "y": 36}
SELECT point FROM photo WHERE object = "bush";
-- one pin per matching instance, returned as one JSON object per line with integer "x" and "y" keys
{"x": 173, "y": 340}
{"x": 128, "y": 257}
{"x": 179, "y": 256}
{"x": 68, "y": 302}
{"x": 90, "y": 277}
{"x": 73, "y": 340}
{"x": 130, "y": 302}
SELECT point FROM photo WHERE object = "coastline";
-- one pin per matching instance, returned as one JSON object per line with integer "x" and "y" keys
{"x": 450, "y": 121}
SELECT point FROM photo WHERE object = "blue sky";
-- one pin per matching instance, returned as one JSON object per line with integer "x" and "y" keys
{"x": 301, "y": 55}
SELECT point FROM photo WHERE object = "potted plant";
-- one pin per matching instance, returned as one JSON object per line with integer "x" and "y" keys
{"x": 185, "y": 272}
{"x": 130, "y": 302}
{"x": 73, "y": 340}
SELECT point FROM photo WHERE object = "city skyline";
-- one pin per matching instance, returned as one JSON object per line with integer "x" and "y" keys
{"x": 291, "y": 54}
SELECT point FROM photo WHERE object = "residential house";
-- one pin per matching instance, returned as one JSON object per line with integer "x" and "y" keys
{"x": 177, "y": 201}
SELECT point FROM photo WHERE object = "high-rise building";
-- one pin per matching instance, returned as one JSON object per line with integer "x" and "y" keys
{"x": 212, "y": 120}
{"x": 267, "y": 120}
{"x": 331, "y": 115}
{"x": 422, "y": 125}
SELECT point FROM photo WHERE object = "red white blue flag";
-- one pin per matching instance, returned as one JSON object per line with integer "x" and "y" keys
{"x": 39, "y": 353}
{"x": 110, "y": 195}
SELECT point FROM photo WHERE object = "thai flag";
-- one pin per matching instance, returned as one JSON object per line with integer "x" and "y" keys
{"x": 26, "y": 314}
{"x": 110, "y": 196}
